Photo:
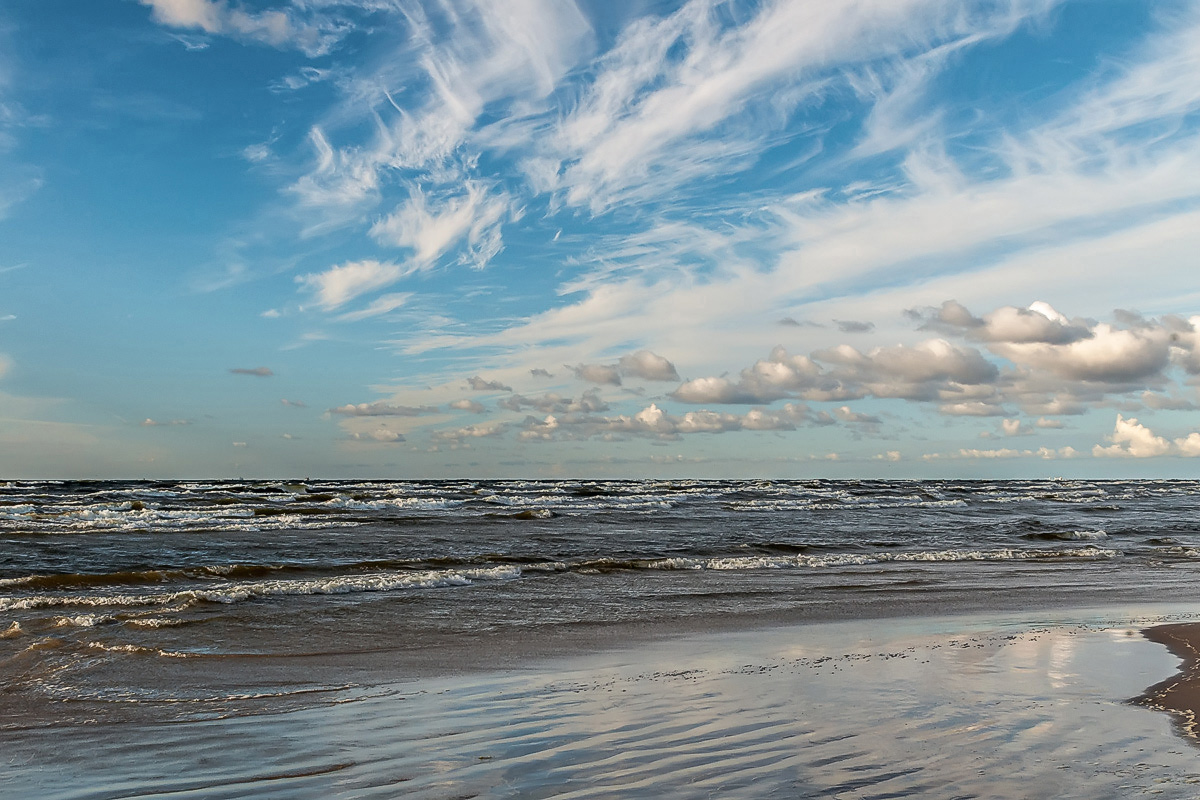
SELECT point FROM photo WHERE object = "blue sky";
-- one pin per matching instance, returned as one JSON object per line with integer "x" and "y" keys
{"x": 537, "y": 238}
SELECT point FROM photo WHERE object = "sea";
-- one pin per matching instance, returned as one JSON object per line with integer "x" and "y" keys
{"x": 315, "y": 638}
{"x": 205, "y": 597}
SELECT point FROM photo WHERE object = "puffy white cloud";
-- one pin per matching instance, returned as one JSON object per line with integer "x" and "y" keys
{"x": 1108, "y": 355}
{"x": 1038, "y": 323}
{"x": 648, "y": 366}
{"x": 911, "y": 372}
{"x": 466, "y": 404}
{"x": 380, "y": 435}
{"x": 766, "y": 380}
{"x": 1131, "y": 438}
{"x": 339, "y": 285}
{"x": 1189, "y": 446}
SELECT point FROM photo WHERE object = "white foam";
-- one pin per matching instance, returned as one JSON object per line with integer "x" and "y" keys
{"x": 234, "y": 592}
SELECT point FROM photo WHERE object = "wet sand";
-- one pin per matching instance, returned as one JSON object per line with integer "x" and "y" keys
{"x": 1178, "y": 695}
{"x": 1016, "y": 706}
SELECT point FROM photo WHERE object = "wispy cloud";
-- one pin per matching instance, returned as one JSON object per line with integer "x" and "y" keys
{"x": 314, "y": 33}
{"x": 338, "y": 285}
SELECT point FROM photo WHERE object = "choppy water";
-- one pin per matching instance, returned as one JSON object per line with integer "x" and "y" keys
{"x": 195, "y": 597}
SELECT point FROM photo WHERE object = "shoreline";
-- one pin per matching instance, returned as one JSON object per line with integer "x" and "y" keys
{"x": 195, "y": 688}
{"x": 1030, "y": 704}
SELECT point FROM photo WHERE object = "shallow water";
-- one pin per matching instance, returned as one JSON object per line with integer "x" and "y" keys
{"x": 990, "y": 707}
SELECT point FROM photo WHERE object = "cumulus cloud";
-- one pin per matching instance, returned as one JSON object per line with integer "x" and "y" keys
{"x": 258, "y": 372}
{"x": 1189, "y": 446}
{"x": 465, "y": 404}
{"x": 846, "y": 414}
{"x": 1131, "y": 438}
{"x": 383, "y": 435}
{"x": 656, "y": 423}
{"x": 588, "y": 403}
{"x": 1036, "y": 359}
{"x": 597, "y": 373}
{"x": 648, "y": 366}
{"x": 478, "y": 384}
{"x": 471, "y": 432}
{"x": 381, "y": 409}
{"x": 538, "y": 372}
{"x": 766, "y": 380}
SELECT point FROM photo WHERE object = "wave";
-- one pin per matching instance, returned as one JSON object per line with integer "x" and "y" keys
{"x": 1068, "y": 536}
{"x": 234, "y": 592}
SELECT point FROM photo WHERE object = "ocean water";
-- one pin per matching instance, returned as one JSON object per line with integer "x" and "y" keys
{"x": 136, "y": 601}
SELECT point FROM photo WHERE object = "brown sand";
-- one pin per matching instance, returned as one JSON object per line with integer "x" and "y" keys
{"x": 1179, "y": 695}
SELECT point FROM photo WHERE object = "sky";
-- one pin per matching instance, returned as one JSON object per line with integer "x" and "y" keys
{"x": 603, "y": 239}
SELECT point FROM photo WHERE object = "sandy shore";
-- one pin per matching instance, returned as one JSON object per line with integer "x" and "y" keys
{"x": 1178, "y": 695}
{"x": 1016, "y": 706}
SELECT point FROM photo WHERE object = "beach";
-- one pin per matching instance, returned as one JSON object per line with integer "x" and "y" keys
{"x": 1018, "y": 705}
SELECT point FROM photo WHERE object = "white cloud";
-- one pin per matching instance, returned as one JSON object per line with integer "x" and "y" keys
{"x": 648, "y": 366}
{"x": 1109, "y": 354}
{"x": 644, "y": 125}
{"x": 589, "y": 402}
{"x": 339, "y": 285}
{"x": 598, "y": 373}
{"x": 381, "y": 409}
{"x": 384, "y": 304}
{"x": 478, "y": 384}
{"x": 1189, "y": 446}
{"x": 656, "y": 423}
{"x": 1131, "y": 438}
{"x": 278, "y": 28}
{"x": 488, "y": 430}
{"x": 466, "y": 404}
{"x": 384, "y": 435}
{"x": 431, "y": 226}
